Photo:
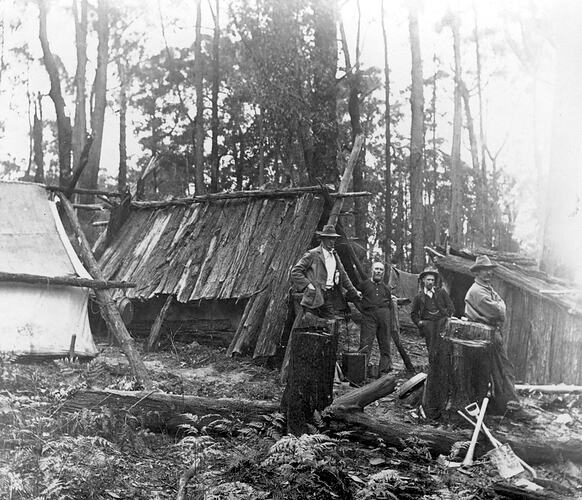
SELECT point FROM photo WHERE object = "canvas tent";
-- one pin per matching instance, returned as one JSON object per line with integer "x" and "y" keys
{"x": 39, "y": 319}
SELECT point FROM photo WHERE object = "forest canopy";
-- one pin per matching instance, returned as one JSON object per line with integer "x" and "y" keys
{"x": 455, "y": 105}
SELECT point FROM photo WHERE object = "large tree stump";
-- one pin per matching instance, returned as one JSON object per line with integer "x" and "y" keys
{"x": 310, "y": 379}
{"x": 459, "y": 368}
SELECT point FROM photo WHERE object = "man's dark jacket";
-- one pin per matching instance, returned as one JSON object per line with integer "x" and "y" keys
{"x": 442, "y": 300}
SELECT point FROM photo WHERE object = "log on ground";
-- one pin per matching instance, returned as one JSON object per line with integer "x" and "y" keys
{"x": 161, "y": 411}
{"x": 358, "y": 399}
{"x": 394, "y": 432}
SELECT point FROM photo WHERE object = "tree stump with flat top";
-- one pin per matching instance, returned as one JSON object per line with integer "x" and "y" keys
{"x": 310, "y": 377}
{"x": 459, "y": 368}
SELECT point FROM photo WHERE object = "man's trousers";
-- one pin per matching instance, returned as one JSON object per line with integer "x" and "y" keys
{"x": 376, "y": 323}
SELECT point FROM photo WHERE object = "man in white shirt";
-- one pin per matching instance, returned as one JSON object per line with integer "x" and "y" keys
{"x": 319, "y": 275}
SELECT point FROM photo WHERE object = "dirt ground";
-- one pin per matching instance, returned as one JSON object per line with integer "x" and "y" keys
{"x": 103, "y": 454}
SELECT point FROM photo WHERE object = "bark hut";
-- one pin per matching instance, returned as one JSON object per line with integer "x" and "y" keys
{"x": 459, "y": 368}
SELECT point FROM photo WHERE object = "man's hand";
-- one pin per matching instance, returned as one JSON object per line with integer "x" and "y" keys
{"x": 359, "y": 294}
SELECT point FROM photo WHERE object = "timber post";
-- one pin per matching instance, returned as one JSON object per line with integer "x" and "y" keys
{"x": 109, "y": 311}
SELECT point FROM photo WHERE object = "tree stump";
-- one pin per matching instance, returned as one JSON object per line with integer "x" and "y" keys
{"x": 310, "y": 378}
{"x": 459, "y": 368}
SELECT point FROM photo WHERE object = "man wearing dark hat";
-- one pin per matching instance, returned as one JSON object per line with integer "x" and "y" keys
{"x": 484, "y": 305}
{"x": 431, "y": 307}
{"x": 319, "y": 275}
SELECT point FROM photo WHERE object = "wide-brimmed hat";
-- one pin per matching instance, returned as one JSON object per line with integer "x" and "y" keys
{"x": 328, "y": 231}
{"x": 429, "y": 270}
{"x": 482, "y": 262}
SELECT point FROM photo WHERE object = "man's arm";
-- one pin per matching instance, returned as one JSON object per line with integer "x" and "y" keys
{"x": 299, "y": 271}
{"x": 345, "y": 280}
{"x": 490, "y": 309}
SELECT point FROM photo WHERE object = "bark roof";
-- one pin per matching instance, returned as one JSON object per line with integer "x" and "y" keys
{"x": 218, "y": 249}
{"x": 518, "y": 271}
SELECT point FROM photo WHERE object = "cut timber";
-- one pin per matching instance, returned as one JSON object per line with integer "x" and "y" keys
{"x": 361, "y": 397}
{"x": 157, "y": 326}
{"x": 108, "y": 308}
{"x": 394, "y": 432}
{"x": 310, "y": 382}
{"x": 551, "y": 389}
{"x": 459, "y": 368}
{"x": 64, "y": 280}
{"x": 161, "y": 411}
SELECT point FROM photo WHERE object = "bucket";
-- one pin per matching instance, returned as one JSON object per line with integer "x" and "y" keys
{"x": 354, "y": 366}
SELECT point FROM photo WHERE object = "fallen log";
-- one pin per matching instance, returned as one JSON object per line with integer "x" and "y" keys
{"x": 162, "y": 411}
{"x": 510, "y": 491}
{"x": 393, "y": 432}
{"x": 550, "y": 389}
{"x": 361, "y": 397}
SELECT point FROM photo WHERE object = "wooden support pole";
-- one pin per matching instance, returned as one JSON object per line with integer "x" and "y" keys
{"x": 64, "y": 280}
{"x": 109, "y": 311}
{"x": 277, "y": 193}
{"x": 346, "y": 179}
{"x": 59, "y": 189}
{"x": 157, "y": 326}
{"x": 395, "y": 334}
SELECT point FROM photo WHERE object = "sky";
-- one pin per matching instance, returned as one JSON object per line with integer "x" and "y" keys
{"x": 510, "y": 109}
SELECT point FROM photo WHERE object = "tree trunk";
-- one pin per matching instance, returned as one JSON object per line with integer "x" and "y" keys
{"x": 354, "y": 84}
{"x": 214, "y": 158}
{"x": 38, "y": 141}
{"x": 199, "y": 120}
{"x": 483, "y": 177}
{"x": 64, "y": 131}
{"x": 416, "y": 146}
{"x": 90, "y": 176}
{"x": 456, "y": 215}
{"x": 80, "y": 124}
{"x": 310, "y": 382}
{"x": 324, "y": 118}
{"x": 459, "y": 368}
{"x": 387, "y": 243}
{"x": 477, "y": 219}
{"x": 109, "y": 310}
{"x": 123, "y": 84}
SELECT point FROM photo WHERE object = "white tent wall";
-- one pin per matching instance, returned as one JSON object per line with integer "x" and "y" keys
{"x": 39, "y": 319}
